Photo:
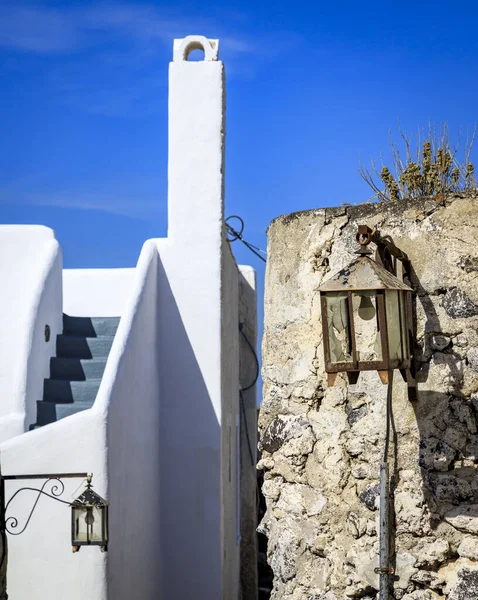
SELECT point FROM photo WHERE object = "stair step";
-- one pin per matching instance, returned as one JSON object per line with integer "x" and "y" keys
{"x": 72, "y": 346}
{"x": 77, "y": 369}
{"x": 49, "y": 412}
{"x": 58, "y": 390}
{"x": 90, "y": 326}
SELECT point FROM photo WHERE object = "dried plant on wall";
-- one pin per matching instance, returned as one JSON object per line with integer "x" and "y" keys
{"x": 434, "y": 168}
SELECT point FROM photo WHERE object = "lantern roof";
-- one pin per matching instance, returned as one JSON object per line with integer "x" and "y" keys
{"x": 89, "y": 498}
{"x": 363, "y": 274}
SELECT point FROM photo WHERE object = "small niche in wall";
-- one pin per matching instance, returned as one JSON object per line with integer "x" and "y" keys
{"x": 196, "y": 55}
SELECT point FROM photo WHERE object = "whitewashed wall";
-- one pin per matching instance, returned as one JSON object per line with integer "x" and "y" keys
{"x": 191, "y": 339}
{"x": 117, "y": 441}
{"x": 40, "y": 561}
{"x": 162, "y": 437}
{"x": 130, "y": 396}
{"x": 31, "y": 297}
{"x": 230, "y": 425}
{"x": 96, "y": 292}
{"x": 248, "y": 373}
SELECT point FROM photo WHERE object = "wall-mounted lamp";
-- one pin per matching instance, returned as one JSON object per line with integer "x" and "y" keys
{"x": 89, "y": 512}
{"x": 366, "y": 313}
{"x": 89, "y": 520}
{"x": 367, "y": 320}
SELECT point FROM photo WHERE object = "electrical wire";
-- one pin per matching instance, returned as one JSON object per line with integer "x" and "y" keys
{"x": 245, "y": 389}
{"x": 256, "y": 377}
{"x": 244, "y": 416}
{"x": 234, "y": 235}
{"x": 388, "y": 416}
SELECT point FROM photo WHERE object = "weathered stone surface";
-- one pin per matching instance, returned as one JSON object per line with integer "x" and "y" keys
{"x": 468, "y": 548}
{"x": 439, "y": 342}
{"x": 472, "y": 357}
{"x": 464, "y": 518}
{"x": 467, "y": 586}
{"x": 458, "y": 305}
{"x": 370, "y": 496}
{"x": 322, "y": 447}
{"x": 428, "y": 579}
{"x": 281, "y": 430}
{"x": 422, "y": 595}
{"x": 431, "y": 553}
{"x": 462, "y": 580}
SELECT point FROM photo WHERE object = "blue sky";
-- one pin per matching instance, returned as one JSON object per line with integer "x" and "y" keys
{"x": 311, "y": 87}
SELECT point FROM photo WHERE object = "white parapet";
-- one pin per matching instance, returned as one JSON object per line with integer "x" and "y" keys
{"x": 193, "y": 272}
{"x": 196, "y": 201}
{"x": 196, "y": 142}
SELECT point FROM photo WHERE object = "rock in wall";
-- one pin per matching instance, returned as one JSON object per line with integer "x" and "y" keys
{"x": 322, "y": 447}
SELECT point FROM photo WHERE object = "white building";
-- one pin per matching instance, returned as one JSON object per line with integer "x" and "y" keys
{"x": 139, "y": 384}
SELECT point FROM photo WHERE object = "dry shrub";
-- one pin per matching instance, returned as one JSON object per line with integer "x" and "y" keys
{"x": 433, "y": 169}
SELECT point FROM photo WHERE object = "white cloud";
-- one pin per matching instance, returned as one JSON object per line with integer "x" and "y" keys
{"x": 43, "y": 30}
{"x": 132, "y": 196}
{"x": 33, "y": 29}
{"x": 134, "y": 208}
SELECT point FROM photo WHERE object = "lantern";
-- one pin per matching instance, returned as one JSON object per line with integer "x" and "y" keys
{"x": 365, "y": 319}
{"x": 89, "y": 520}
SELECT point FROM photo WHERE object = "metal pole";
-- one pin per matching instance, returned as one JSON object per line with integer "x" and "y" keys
{"x": 384, "y": 568}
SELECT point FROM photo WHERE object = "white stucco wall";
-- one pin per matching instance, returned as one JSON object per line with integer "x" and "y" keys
{"x": 117, "y": 441}
{"x": 96, "y": 292}
{"x": 231, "y": 462}
{"x": 249, "y": 371}
{"x": 162, "y": 436}
{"x": 193, "y": 348}
{"x": 40, "y": 561}
{"x": 30, "y": 271}
{"x": 129, "y": 394}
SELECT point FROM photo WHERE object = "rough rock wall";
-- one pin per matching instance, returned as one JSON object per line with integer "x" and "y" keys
{"x": 321, "y": 448}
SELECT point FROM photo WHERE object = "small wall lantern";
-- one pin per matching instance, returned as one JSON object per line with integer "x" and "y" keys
{"x": 366, "y": 314}
{"x": 89, "y": 520}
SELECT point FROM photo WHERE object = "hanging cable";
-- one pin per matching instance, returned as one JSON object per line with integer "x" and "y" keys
{"x": 244, "y": 416}
{"x": 233, "y": 234}
{"x": 248, "y": 387}
{"x": 256, "y": 377}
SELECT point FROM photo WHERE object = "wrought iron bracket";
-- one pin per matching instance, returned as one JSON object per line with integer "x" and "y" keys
{"x": 9, "y": 524}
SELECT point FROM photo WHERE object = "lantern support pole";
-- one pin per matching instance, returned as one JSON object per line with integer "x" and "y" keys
{"x": 385, "y": 570}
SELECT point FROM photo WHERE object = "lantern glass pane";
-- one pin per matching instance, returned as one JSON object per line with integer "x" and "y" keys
{"x": 80, "y": 530}
{"x": 88, "y": 525}
{"x": 404, "y": 324}
{"x": 96, "y": 525}
{"x": 339, "y": 327}
{"x": 367, "y": 335}
{"x": 394, "y": 328}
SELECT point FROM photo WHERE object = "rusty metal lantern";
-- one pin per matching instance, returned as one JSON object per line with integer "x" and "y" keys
{"x": 366, "y": 313}
{"x": 89, "y": 520}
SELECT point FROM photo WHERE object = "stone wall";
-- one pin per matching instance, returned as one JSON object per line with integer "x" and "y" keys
{"x": 321, "y": 447}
